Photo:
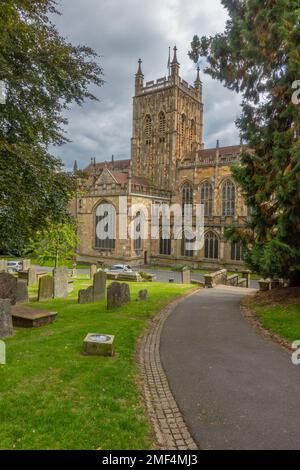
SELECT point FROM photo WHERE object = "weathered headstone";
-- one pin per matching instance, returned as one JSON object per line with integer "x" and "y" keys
{"x": 185, "y": 275}
{"x": 143, "y": 294}
{"x": 60, "y": 277}
{"x": 26, "y": 264}
{"x": 93, "y": 270}
{"x": 6, "y": 326}
{"x": 22, "y": 292}
{"x": 99, "y": 286}
{"x": 117, "y": 295}
{"x": 3, "y": 265}
{"x": 32, "y": 279}
{"x": 8, "y": 287}
{"x": 46, "y": 288}
{"x": 85, "y": 296}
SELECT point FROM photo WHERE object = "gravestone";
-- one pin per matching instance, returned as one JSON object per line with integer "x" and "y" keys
{"x": 60, "y": 277}
{"x": 22, "y": 292}
{"x": 3, "y": 265}
{"x": 117, "y": 295}
{"x": 26, "y": 264}
{"x": 6, "y": 326}
{"x": 93, "y": 270}
{"x": 46, "y": 288}
{"x": 86, "y": 296}
{"x": 32, "y": 279}
{"x": 74, "y": 272}
{"x": 99, "y": 286}
{"x": 185, "y": 275}
{"x": 143, "y": 294}
{"x": 8, "y": 287}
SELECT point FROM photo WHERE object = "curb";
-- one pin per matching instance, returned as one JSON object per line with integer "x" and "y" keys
{"x": 170, "y": 430}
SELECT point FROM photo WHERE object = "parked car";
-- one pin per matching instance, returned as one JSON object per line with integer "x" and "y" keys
{"x": 119, "y": 268}
{"x": 14, "y": 266}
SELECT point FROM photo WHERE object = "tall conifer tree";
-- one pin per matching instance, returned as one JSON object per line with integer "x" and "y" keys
{"x": 258, "y": 56}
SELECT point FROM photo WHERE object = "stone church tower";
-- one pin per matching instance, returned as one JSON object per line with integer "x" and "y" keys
{"x": 167, "y": 125}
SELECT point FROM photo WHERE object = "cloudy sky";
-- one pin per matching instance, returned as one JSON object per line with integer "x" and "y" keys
{"x": 121, "y": 31}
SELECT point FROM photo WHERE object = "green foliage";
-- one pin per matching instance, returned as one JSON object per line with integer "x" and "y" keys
{"x": 258, "y": 56}
{"x": 43, "y": 75}
{"x": 58, "y": 244}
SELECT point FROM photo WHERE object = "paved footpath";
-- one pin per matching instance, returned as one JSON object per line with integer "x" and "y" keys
{"x": 235, "y": 388}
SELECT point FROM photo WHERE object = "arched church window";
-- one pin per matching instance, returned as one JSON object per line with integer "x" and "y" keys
{"x": 211, "y": 246}
{"x": 207, "y": 198}
{"x": 105, "y": 236}
{"x": 148, "y": 129}
{"x": 138, "y": 238}
{"x": 162, "y": 126}
{"x": 183, "y": 123}
{"x": 192, "y": 133}
{"x": 228, "y": 199}
{"x": 236, "y": 251}
{"x": 187, "y": 210}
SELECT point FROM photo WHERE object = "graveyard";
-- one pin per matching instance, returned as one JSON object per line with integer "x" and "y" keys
{"x": 53, "y": 396}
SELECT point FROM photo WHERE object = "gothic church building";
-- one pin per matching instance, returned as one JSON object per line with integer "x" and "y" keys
{"x": 168, "y": 165}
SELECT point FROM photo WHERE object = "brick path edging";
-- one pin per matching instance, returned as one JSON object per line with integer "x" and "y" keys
{"x": 170, "y": 430}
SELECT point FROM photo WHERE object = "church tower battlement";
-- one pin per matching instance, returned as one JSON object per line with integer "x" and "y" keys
{"x": 167, "y": 124}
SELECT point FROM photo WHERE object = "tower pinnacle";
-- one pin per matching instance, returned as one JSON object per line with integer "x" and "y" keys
{"x": 139, "y": 79}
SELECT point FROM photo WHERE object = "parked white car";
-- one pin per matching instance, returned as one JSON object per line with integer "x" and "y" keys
{"x": 119, "y": 268}
{"x": 14, "y": 266}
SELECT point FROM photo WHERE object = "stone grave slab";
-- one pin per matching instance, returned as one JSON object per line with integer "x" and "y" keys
{"x": 25, "y": 317}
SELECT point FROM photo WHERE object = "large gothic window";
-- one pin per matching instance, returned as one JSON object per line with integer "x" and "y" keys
{"x": 207, "y": 198}
{"x": 228, "y": 199}
{"x": 162, "y": 124}
{"x": 236, "y": 252}
{"x": 148, "y": 129}
{"x": 211, "y": 246}
{"x": 187, "y": 209}
{"x": 137, "y": 229}
{"x": 105, "y": 237}
{"x": 164, "y": 246}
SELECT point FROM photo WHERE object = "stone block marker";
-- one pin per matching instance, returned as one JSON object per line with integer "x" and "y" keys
{"x": 93, "y": 270}
{"x": 6, "y": 325}
{"x": 143, "y": 294}
{"x": 96, "y": 344}
{"x": 117, "y": 294}
{"x": 8, "y": 287}
{"x": 99, "y": 285}
{"x": 22, "y": 292}
{"x": 185, "y": 275}
{"x": 46, "y": 288}
{"x": 86, "y": 296}
{"x": 60, "y": 276}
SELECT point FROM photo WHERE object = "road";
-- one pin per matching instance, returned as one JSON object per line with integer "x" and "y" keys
{"x": 235, "y": 388}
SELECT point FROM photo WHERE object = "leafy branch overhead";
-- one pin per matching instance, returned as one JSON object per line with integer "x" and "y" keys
{"x": 258, "y": 55}
{"x": 43, "y": 74}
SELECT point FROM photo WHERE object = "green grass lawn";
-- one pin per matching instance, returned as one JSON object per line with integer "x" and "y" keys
{"x": 53, "y": 397}
{"x": 282, "y": 318}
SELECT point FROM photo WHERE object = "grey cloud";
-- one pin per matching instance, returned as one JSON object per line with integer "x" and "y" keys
{"x": 121, "y": 31}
